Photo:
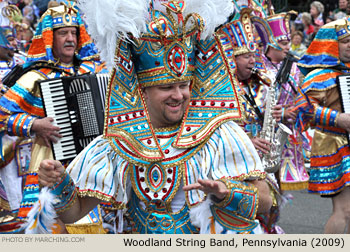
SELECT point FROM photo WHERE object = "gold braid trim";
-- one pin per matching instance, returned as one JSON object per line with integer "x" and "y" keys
{"x": 87, "y": 228}
{"x": 256, "y": 174}
{"x": 68, "y": 206}
{"x": 233, "y": 186}
{"x": 102, "y": 197}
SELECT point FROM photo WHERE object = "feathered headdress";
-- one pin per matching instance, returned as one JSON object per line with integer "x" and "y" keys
{"x": 110, "y": 20}
{"x": 158, "y": 42}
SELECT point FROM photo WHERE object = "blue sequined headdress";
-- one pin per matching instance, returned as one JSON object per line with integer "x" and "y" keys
{"x": 165, "y": 53}
{"x": 160, "y": 46}
{"x": 8, "y": 13}
{"x": 3, "y": 39}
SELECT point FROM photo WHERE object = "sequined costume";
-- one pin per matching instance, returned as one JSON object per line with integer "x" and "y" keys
{"x": 271, "y": 30}
{"x": 293, "y": 175}
{"x": 22, "y": 104}
{"x": 239, "y": 34}
{"x": 14, "y": 150}
{"x": 319, "y": 104}
{"x": 5, "y": 66}
{"x": 141, "y": 170}
{"x": 152, "y": 191}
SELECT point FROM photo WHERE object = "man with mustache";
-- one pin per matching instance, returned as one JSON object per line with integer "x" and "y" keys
{"x": 171, "y": 159}
{"x": 63, "y": 48}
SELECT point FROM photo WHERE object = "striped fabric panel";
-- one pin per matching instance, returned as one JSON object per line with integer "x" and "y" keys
{"x": 329, "y": 174}
{"x": 228, "y": 153}
{"x": 98, "y": 171}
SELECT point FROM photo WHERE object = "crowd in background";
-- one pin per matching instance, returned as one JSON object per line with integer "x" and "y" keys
{"x": 304, "y": 27}
{"x": 307, "y": 24}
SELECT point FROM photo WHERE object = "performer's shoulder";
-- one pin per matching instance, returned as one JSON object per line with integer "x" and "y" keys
{"x": 95, "y": 66}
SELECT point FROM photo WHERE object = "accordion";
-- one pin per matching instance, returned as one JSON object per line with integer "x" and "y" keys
{"x": 343, "y": 83}
{"x": 77, "y": 106}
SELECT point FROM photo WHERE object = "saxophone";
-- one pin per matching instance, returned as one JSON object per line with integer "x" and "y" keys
{"x": 272, "y": 161}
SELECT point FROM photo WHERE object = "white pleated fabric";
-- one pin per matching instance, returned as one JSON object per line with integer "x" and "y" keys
{"x": 99, "y": 171}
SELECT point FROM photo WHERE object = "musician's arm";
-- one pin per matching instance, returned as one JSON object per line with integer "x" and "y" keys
{"x": 318, "y": 113}
{"x": 20, "y": 106}
{"x": 16, "y": 124}
{"x": 325, "y": 116}
{"x": 343, "y": 121}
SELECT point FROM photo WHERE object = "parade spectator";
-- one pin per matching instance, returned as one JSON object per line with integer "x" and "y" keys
{"x": 306, "y": 19}
{"x": 340, "y": 12}
{"x": 330, "y": 18}
{"x": 316, "y": 11}
{"x": 297, "y": 46}
{"x": 309, "y": 29}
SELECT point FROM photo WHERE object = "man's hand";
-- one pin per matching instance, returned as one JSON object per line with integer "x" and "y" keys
{"x": 343, "y": 121}
{"x": 46, "y": 130}
{"x": 50, "y": 172}
{"x": 277, "y": 112}
{"x": 261, "y": 144}
{"x": 290, "y": 115}
{"x": 217, "y": 188}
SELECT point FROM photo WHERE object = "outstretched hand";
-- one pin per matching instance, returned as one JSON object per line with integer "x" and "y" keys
{"x": 50, "y": 172}
{"x": 214, "y": 187}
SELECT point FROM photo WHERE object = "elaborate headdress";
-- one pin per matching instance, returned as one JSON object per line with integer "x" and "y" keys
{"x": 165, "y": 52}
{"x": 65, "y": 15}
{"x": 3, "y": 39}
{"x": 323, "y": 51}
{"x": 154, "y": 47}
{"x": 239, "y": 33}
{"x": 274, "y": 28}
{"x": 343, "y": 30}
{"x": 237, "y": 37}
{"x": 9, "y": 12}
{"x": 259, "y": 8}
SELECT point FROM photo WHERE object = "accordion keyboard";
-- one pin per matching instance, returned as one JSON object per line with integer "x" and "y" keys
{"x": 77, "y": 106}
{"x": 57, "y": 108}
{"x": 343, "y": 82}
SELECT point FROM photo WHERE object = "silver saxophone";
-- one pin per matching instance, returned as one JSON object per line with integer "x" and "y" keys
{"x": 275, "y": 132}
